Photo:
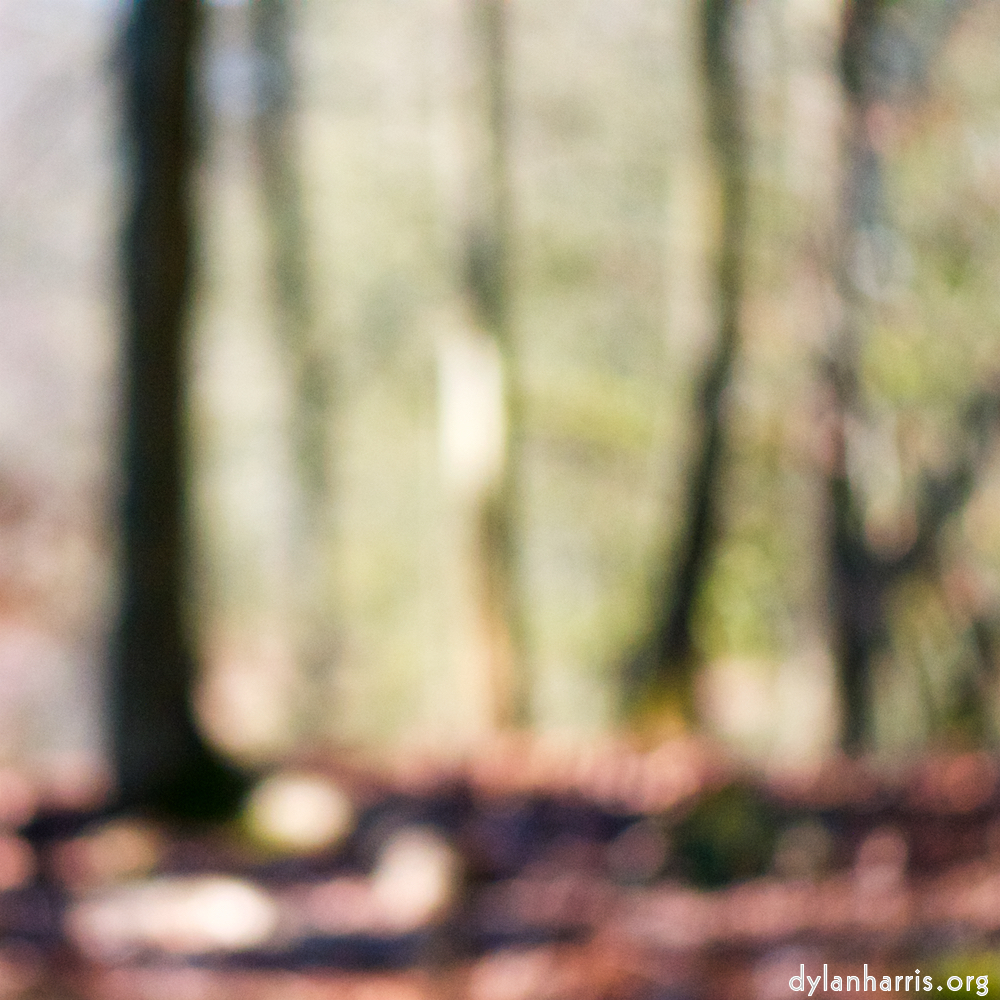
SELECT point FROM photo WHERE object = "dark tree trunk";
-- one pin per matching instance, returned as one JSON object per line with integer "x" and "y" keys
{"x": 665, "y": 664}
{"x": 861, "y": 577}
{"x": 161, "y": 760}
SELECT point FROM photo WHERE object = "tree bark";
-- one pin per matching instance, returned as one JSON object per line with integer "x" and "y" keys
{"x": 861, "y": 577}
{"x": 162, "y": 761}
{"x": 665, "y": 664}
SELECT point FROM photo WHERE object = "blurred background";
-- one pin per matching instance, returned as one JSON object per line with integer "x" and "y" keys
{"x": 497, "y": 246}
{"x": 602, "y": 371}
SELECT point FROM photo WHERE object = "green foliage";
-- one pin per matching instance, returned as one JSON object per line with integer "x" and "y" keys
{"x": 729, "y": 836}
{"x": 614, "y": 313}
{"x": 739, "y": 613}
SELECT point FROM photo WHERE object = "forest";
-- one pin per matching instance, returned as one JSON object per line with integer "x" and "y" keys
{"x": 577, "y": 412}
{"x": 548, "y": 452}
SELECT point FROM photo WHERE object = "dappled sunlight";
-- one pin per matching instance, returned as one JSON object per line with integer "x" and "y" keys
{"x": 190, "y": 916}
{"x": 299, "y": 812}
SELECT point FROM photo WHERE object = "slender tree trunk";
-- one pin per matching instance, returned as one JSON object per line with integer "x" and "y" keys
{"x": 665, "y": 664}
{"x": 307, "y": 363}
{"x": 857, "y": 580}
{"x": 488, "y": 280}
{"x": 160, "y": 757}
{"x": 861, "y": 577}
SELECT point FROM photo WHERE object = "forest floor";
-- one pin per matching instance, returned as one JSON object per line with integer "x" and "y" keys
{"x": 525, "y": 872}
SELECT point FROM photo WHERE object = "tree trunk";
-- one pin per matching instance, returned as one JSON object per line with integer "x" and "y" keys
{"x": 861, "y": 577}
{"x": 663, "y": 668}
{"x": 488, "y": 282}
{"x": 307, "y": 364}
{"x": 161, "y": 759}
